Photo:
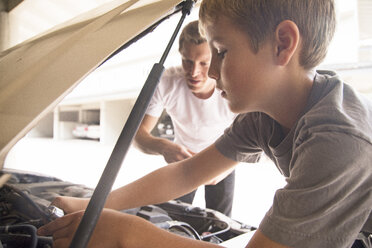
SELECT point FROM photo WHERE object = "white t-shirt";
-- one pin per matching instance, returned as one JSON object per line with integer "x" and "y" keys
{"x": 197, "y": 122}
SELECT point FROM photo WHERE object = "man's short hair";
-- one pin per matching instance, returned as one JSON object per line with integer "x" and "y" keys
{"x": 315, "y": 19}
{"x": 190, "y": 33}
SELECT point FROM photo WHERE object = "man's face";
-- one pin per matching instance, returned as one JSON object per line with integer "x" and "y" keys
{"x": 195, "y": 63}
{"x": 243, "y": 76}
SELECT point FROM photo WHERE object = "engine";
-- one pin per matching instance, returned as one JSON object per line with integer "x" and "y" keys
{"x": 25, "y": 206}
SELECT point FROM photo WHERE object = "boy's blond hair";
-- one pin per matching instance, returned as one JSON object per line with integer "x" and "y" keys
{"x": 190, "y": 34}
{"x": 259, "y": 18}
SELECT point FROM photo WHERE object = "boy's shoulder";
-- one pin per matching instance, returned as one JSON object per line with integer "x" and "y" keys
{"x": 330, "y": 92}
{"x": 335, "y": 106}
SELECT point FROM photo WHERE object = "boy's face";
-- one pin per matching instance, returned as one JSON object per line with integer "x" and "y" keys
{"x": 243, "y": 76}
{"x": 195, "y": 63}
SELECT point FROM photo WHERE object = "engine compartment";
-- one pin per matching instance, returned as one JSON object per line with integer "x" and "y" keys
{"x": 25, "y": 206}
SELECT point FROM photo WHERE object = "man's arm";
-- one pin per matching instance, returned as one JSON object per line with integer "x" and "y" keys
{"x": 147, "y": 143}
{"x": 143, "y": 139}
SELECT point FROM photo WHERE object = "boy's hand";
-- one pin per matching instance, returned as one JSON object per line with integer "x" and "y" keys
{"x": 63, "y": 229}
{"x": 70, "y": 204}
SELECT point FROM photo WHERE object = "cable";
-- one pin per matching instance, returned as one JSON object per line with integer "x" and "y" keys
{"x": 188, "y": 229}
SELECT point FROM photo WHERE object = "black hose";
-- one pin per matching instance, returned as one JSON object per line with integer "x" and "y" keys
{"x": 25, "y": 196}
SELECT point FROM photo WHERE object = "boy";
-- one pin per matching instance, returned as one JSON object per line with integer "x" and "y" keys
{"x": 314, "y": 127}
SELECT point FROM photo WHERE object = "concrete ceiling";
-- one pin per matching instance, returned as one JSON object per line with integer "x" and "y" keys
{"x": 31, "y": 17}
{"x": 8, "y": 5}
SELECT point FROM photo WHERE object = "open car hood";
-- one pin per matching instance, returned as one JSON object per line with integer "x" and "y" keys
{"x": 38, "y": 73}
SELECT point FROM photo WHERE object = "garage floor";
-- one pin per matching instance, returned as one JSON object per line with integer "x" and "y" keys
{"x": 82, "y": 161}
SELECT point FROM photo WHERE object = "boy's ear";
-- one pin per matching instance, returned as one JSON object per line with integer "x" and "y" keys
{"x": 287, "y": 37}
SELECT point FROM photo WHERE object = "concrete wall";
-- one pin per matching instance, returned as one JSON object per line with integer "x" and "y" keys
{"x": 114, "y": 114}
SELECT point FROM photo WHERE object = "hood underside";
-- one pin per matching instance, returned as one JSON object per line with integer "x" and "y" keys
{"x": 38, "y": 73}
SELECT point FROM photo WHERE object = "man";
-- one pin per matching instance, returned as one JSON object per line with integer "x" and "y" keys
{"x": 198, "y": 112}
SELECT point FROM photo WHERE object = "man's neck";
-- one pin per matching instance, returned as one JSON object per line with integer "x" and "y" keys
{"x": 206, "y": 92}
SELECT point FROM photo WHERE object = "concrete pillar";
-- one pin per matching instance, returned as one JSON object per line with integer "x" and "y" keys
{"x": 56, "y": 126}
{"x": 4, "y": 27}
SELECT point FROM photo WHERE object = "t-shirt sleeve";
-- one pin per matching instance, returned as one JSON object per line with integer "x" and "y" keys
{"x": 156, "y": 105}
{"x": 328, "y": 196}
{"x": 237, "y": 142}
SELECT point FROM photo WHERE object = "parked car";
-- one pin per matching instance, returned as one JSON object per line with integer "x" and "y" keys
{"x": 86, "y": 131}
{"x": 35, "y": 76}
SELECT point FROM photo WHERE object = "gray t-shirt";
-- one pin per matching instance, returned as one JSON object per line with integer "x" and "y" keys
{"x": 326, "y": 159}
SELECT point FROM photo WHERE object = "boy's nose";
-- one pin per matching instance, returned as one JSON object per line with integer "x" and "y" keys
{"x": 212, "y": 73}
{"x": 213, "y": 70}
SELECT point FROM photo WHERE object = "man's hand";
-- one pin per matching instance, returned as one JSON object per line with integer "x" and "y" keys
{"x": 70, "y": 204}
{"x": 155, "y": 145}
{"x": 63, "y": 229}
{"x": 173, "y": 152}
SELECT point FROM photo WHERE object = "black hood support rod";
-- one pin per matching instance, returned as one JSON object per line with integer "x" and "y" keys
{"x": 104, "y": 186}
